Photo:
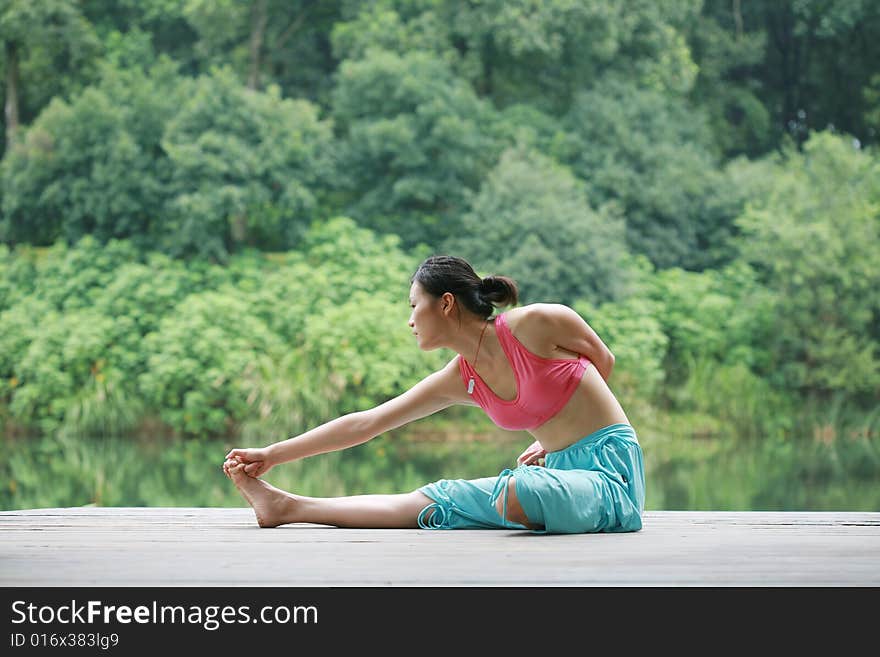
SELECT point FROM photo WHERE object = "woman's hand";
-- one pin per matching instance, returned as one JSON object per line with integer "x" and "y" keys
{"x": 258, "y": 461}
{"x": 534, "y": 455}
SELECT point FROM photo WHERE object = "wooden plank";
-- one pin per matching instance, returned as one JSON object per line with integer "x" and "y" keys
{"x": 150, "y": 546}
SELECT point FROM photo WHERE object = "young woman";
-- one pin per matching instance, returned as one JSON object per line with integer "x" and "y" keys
{"x": 538, "y": 367}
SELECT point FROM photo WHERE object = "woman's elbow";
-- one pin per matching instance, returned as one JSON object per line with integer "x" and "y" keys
{"x": 608, "y": 365}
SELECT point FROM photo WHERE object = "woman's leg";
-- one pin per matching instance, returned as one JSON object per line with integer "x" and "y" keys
{"x": 274, "y": 506}
{"x": 515, "y": 512}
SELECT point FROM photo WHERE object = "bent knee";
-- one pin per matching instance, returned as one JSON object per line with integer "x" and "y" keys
{"x": 515, "y": 512}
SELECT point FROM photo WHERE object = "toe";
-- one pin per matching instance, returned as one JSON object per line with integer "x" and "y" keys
{"x": 237, "y": 471}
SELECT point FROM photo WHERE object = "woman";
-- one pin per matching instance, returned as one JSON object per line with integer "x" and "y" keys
{"x": 538, "y": 367}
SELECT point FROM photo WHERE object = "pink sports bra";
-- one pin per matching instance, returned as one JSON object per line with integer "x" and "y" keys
{"x": 543, "y": 385}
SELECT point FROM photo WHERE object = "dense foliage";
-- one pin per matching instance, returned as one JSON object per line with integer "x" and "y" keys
{"x": 210, "y": 211}
{"x": 104, "y": 339}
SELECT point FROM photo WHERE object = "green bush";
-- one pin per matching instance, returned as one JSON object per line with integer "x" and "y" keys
{"x": 199, "y": 360}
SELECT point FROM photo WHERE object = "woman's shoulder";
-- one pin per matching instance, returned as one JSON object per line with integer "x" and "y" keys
{"x": 535, "y": 313}
{"x": 534, "y": 326}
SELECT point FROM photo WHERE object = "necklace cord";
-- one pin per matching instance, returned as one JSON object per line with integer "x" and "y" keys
{"x": 470, "y": 387}
{"x": 480, "y": 342}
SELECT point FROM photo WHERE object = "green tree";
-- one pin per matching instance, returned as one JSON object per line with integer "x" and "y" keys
{"x": 871, "y": 94}
{"x": 70, "y": 277}
{"x": 324, "y": 300}
{"x": 392, "y": 26}
{"x": 544, "y": 53}
{"x": 541, "y": 53}
{"x": 266, "y": 42}
{"x": 94, "y": 165}
{"x": 633, "y": 330}
{"x": 189, "y": 166}
{"x": 727, "y": 88}
{"x": 367, "y": 361}
{"x": 199, "y": 360}
{"x": 17, "y": 275}
{"x": 136, "y": 32}
{"x": 36, "y": 36}
{"x": 654, "y": 155}
{"x": 102, "y": 338}
{"x": 814, "y": 238}
{"x": 816, "y": 63}
{"x": 720, "y": 326}
{"x": 63, "y": 356}
{"x": 336, "y": 259}
{"x": 532, "y": 220}
{"x": 248, "y": 168}
{"x": 415, "y": 139}
{"x": 725, "y": 316}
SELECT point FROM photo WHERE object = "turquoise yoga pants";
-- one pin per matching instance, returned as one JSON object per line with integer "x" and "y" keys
{"x": 594, "y": 485}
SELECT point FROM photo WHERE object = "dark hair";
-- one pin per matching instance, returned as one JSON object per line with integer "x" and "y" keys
{"x": 445, "y": 273}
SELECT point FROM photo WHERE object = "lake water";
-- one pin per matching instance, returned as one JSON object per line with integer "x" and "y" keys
{"x": 682, "y": 474}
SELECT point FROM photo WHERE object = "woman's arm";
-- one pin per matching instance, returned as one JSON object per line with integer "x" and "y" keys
{"x": 435, "y": 392}
{"x": 572, "y": 333}
{"x": 534, "y": 455}
{"x": 345, "y": 431}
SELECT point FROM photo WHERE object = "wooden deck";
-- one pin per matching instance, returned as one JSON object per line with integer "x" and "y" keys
{"x": 141, "y": 546}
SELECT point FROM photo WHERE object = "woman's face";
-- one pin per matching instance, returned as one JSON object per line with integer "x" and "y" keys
{"x": 425, "y": 320}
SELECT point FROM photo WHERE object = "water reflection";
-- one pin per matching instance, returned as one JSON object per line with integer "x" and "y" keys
{"x": 783, "y": 475}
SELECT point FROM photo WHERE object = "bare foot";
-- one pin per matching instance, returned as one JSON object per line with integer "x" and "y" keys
{"x": 271, "y": 505}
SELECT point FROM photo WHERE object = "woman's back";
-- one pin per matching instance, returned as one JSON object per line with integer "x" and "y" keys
{"x": 559, "y": 396}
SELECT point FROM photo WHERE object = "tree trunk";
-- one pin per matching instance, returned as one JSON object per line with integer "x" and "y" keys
{"x": 738, "y": 19}
{"x": 11, "y": 91}
{"x": 488, "y": 54}
{"x": 258, "y": 33}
